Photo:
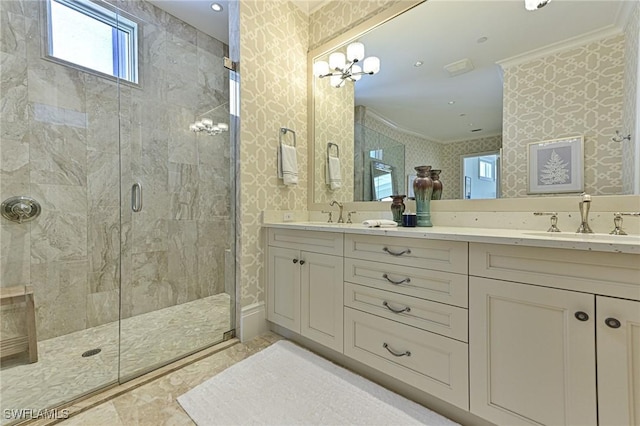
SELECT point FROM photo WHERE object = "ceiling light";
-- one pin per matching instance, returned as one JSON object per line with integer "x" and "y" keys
{"x": 482, "y": 39}
{"x": 463, "y": 114}
{"x": 341, "y": 67}
{"x": 206, "y": 125}
{"x": 418, "y": 64}
{"x": 535, "y": 4}
{"x": 459, "y": 67}
{"x": 216, "y": 7}
{"x": 452, "y": 102}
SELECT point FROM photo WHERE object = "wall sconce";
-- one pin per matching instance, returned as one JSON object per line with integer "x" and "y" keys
{"x": 206, "y": 125}
{"x": 339, "y": 70}
{"x": 535, "y": 4}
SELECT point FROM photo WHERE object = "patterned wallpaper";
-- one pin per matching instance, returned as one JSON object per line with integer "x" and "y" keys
{"x": 629, "y": 124}
{"x": 338, "y": 16}
{"x": 274, "y": 37}
{"x": 334, "y": 123}
{"x": 451, "y": 174}
{"x": 575, "y": 92}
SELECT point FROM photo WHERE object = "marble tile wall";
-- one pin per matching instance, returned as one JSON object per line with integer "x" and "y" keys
{"x": 68, "y": 136}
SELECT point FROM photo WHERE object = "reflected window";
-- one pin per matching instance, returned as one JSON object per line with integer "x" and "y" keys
{"x": 486, "y": 168}
{"x": 85, "y": 34}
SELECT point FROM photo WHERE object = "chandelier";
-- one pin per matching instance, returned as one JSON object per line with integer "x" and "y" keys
{"x": 341, "y": 68}
{"x": 206, "y": 125}
{"x": 535, "y": 4}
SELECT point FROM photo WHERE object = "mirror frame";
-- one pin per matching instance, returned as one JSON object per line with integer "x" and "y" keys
{"x": 626, "y": 202}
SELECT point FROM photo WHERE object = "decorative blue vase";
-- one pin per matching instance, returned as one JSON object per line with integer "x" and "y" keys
{"x": 423, "y": 189}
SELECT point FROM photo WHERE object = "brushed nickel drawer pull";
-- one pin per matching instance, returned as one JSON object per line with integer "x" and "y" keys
{"x": 394, "y": 353}
{"x": 396, "y": 311}
{"x": 393, "y": 253}
{"x": 406, "y": 280}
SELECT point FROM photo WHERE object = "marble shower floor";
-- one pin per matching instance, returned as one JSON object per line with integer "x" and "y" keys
{"x": 155, "y": 404}
{"x": 148, "y": 340}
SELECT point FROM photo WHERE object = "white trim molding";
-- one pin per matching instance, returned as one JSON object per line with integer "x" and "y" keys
{"x": 253, "y": 321}
{"x": 568, "y": 44}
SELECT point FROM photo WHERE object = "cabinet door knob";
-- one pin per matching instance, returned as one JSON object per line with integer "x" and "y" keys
{"x": 295, "y": 260}
{"x": 612, "y": 322}
{"x": 582, "y": 316}
{"x": 302, "y": 262}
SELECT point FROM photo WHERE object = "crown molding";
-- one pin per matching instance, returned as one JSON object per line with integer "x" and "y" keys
{"x": 571, "y": 43}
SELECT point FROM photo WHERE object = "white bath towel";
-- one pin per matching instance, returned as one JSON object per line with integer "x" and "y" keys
{"x": 288, "y": 164}
{"x": 379, "y": 223}
{"x": 334, "y": 178}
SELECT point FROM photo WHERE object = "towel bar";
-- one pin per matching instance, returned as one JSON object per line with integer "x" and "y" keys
{"x": 284, "y": 131}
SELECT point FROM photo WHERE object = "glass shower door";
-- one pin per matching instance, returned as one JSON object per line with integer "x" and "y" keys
{"x": 178, "y": 230}
{"x": 59, "y": 143}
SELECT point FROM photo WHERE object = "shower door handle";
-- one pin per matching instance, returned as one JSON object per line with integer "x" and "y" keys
{"x": 136, "y": 197}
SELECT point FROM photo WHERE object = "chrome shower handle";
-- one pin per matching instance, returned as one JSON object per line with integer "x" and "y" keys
{"x": 136, "y": 197}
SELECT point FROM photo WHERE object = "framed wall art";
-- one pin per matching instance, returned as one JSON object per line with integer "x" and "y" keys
{"x": 556, "y": 166}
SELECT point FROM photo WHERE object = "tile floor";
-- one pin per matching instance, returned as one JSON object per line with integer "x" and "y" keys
{"x": 155, "y": 403}
{"x": 152, "y": 339}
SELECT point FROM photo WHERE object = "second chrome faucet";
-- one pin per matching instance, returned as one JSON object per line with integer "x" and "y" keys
{"x": 341, "y": 207}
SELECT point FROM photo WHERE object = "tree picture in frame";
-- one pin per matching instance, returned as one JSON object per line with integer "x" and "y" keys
{"x": 556, "y": 166}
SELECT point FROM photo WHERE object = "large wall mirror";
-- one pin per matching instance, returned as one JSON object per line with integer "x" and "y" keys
{"x": 459, "y": 79}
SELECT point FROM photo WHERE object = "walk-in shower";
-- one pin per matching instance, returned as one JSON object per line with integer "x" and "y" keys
{"x": 130, "y": 262}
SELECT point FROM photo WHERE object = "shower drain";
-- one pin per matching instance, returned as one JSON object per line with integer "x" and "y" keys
{"x": 91, "y": 352}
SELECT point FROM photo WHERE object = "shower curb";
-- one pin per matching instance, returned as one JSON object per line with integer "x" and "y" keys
{"x": 110, "y": 392}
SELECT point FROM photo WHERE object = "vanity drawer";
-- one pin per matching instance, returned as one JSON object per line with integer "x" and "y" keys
{"x": 436, "y": 365}
{"x": 446, "y": 320}
{"x": 610, "y": 274}
{"x": 315, "y": 241}
{"x": 448, "y": 256}
{"x": 438, "y": 286}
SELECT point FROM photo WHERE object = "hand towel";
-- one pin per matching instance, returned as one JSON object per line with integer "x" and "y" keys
{"x": 333, "y": 173}
{"x": 288, "y": 164}
{"x": 379, "y": 223}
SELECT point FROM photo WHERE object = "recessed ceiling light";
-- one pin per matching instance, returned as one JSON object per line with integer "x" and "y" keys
{"x": 470, "y": 124}
{"x": 217, "y": 7}
{"x": 418, "y": 64}
{"x": 476, "y": 130}
{"x": 452, "y": 102}
{"x": 482, "y": 39}
{"x": 463, "y": 114}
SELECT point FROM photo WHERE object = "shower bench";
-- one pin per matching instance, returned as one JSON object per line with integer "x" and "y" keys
{"x": 28, "y": 343}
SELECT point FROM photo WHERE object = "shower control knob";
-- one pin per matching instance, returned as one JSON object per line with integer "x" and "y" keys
{"x": 20, "y": 209}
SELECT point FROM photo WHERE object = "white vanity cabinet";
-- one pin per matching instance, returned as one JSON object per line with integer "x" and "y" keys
{"x": 405, "y": 311}
{"x": 304, "y": 284}
{"x": 538, "y": 317}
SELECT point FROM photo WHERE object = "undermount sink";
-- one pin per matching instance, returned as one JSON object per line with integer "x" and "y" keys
{"x": 576, "y": 236}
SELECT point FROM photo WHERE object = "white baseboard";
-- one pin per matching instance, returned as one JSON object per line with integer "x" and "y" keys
{"x": 253, "y": 321}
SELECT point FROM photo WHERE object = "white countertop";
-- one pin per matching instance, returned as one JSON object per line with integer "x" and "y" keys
{"x": 530, "y": 238}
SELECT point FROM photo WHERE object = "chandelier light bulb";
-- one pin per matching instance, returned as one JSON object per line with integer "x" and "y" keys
{"x": 223, "y": 126}
{"x": 355, "y": 52}
{"x": 356, "y": 71}
{"x": 320, "y": 68}
{"x": 207, "y": 123}
{"x": 337, "y": 61}
{"x": 371, "y": 65}
{"x": 535, "y": 4}
{"x": 193, "y": 128}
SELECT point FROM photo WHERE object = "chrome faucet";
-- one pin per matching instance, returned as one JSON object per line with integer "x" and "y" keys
{"x": 341, "y": 206}
{"x": 584, "y": 206}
